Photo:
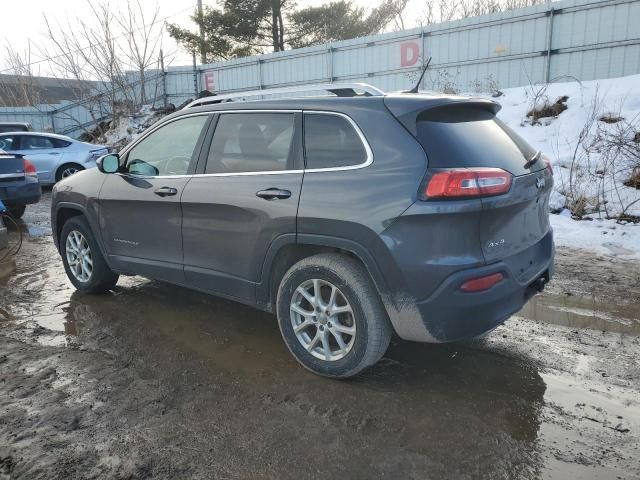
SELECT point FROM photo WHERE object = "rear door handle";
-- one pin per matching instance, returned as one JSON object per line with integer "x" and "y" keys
{"x": 54, "y": 153}
{"x": 166, "y": 191}
{"x": 273, "y": 193}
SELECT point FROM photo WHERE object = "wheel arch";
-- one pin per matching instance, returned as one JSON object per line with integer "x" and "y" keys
{"x": 63, "y": 211}
{"x": 287, "y": 250}
{"x": 57, "y": 175}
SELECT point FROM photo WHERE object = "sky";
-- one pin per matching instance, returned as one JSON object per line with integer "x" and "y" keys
{"x": 23, "y": 23}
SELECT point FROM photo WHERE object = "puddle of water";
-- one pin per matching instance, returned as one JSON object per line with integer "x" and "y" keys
{"x": 599, "y": 412}
{"x": 38, "y": 231}
{"x": 583, "y": 312}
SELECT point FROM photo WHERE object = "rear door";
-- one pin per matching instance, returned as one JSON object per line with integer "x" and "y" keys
{"x": 140, "y": 214}
{"x": 245, "y": 198}
{"x": 466, "y": 136}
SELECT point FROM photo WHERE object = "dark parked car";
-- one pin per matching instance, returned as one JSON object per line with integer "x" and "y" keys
{"x": 14, "y": 127}
{"x": 19, "y": 185}
{"x": 349, "y": 217}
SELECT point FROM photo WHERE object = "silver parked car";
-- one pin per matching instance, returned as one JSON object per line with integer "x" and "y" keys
{"x": 54, "y": 156}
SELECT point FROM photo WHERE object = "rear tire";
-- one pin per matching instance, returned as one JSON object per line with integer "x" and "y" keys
{"x": 336, "y": 344}
{"x": 67, "y": 170}
{"x": 17, "y": 211}
{"x": 82, "y": 258}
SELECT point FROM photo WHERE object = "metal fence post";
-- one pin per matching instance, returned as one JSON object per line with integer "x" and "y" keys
{"x": 195, "y": 76}
{"x": 163, "y": 73}
{"x": 260, "y": 83}
{"x": 331, "y": 65}
{"x": 52, "y": 115}
{"x": 547, "y": 74}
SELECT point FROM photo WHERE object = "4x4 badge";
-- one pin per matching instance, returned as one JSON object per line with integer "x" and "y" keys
{"x": 540, "y": 183}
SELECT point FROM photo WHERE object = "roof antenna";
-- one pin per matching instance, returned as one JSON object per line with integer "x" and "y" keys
{"x": 424, "y": 70}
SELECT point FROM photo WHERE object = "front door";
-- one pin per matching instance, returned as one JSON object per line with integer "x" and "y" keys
{"x": 246, "y": 198}
{"x": 140, "y": 214}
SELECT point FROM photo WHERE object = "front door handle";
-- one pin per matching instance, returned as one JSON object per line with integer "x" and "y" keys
{"x": 166, "y": 191}
{"x": 273, "y": 193}
{"x": 54, "y": 153}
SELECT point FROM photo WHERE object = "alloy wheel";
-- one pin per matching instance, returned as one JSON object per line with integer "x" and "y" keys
{"x": 67, "y": 172}
{"x": 323, "y": 320}
{"x": 79, "y": 256}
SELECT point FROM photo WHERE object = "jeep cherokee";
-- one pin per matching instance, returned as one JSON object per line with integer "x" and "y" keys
{"x": 350, "y": 217}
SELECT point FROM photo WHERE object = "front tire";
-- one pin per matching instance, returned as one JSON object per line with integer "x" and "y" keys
{"x": 331, "y": 316}
{"x": 82, "y": 258}
{"x": 67, "y": 170}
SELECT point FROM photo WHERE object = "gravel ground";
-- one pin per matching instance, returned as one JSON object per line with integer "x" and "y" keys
{"x": 155, "y": 381}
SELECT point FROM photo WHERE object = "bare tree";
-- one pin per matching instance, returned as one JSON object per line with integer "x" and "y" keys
{"x": 19, "y": 88}
{"x": 106, "y": 49}
{"x": 438, "y": 11}
{"x": 143, "y": 34}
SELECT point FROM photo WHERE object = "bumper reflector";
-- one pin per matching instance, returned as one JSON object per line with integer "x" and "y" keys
{"x": 481, "y": 283}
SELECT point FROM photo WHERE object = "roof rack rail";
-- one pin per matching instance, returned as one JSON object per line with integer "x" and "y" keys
{"x": 338, "y": 89}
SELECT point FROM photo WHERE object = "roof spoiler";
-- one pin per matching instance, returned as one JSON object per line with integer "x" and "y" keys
{"x": 406, "y": 108}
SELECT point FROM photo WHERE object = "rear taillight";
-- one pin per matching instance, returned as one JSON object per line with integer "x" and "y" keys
{"x": 482, "y": 283}
{"x": 29, "y": 168}
{"x": 468, "y": 182}
{"x": 547, "y": 163}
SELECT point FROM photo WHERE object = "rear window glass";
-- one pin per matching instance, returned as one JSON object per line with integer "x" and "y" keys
{"x": 331, "y": 141}
{"x": 463, "y": 136}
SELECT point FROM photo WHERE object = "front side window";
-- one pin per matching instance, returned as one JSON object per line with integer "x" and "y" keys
{"x": 167, "y": 150}
{"x": 331, "y": 141}
{"x": 252, "y": 142}
{"x": 8, "y": 143}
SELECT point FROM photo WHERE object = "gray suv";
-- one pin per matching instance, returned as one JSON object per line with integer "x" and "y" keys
{"x": 350, "y": 217}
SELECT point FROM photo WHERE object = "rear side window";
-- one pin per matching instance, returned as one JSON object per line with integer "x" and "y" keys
{"x": 32, "y": 142}
{"x": 252, "y": 142}
{"x": 331, "y": 141}
{"x": 459, "y": 136}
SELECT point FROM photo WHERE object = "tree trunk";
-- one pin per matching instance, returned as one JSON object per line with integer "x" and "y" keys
{"x": 143, "y": 96}
{"x": 281, "y": 30}
{"x": 275, "y": 32}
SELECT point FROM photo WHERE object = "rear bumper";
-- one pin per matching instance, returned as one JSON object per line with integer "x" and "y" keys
{"x": 22, "y": 192}
{"x": 450, "y": 314}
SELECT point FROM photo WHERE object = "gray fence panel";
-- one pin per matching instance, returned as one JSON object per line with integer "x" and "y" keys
{"x": 38, "y": 118}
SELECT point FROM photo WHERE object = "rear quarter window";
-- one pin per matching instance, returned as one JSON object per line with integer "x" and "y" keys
{"x": 462, "y": 136}
{"x": 331, "y": 141}
{"x": 58, "y": 143}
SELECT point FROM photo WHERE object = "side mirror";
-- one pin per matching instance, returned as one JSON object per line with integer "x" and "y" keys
{"x": 109, "y": 163}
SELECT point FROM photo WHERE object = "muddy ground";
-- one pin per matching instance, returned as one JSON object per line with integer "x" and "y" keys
{"x": 155, "y": 381}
